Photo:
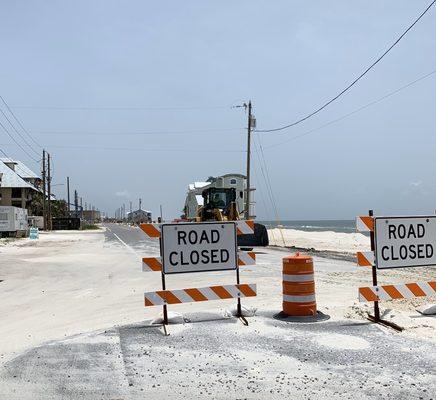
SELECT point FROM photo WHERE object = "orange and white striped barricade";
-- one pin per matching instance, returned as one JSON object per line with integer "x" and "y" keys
{"x": 398, "y": 291}
{"x": 153, "y": 230}
{"x": 396, "y": 242}
{"x": 223, "y": 292}
{"x": 198, "y": 247}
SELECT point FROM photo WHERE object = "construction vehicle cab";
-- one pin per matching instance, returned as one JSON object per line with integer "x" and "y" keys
{"x": 219, "y": 204}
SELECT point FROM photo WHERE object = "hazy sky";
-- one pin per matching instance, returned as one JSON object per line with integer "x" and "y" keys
{"x": 189, "y": 62}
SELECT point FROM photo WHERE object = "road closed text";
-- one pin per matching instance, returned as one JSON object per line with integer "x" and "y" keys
{"x": 199, "y": 247}
{"x": 404, "y": 242}
{"x": 412, "y": 251}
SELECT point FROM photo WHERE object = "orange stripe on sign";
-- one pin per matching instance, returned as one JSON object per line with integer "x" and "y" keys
{"x": 196, "y": 295}
{"x": 368, "y": 221}
{"x": 362, "y": 260}
{"x": 221, "y": 292}
{"x": 153, "y": 263}
{"x": 368, "y": 294}
{"x": 250, "y": 254}
{"x": 249, "y": 223}
{"x": 150, "y": 230}
{"x": 415, "y": 289}
{"x": 392, "y": 291}
{"x": 148, "y": 303}
{"x": 246, "y": 290}
{"x": 168, "y": 296}
{"x": 433, "y": 285}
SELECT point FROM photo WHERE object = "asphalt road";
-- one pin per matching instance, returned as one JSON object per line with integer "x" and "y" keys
{"x": 226, "y": 360}
{"x": 131, "y": 237}
{"x": 213, "y": 357}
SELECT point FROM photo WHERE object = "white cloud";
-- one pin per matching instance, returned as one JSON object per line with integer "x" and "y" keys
{"x": 416, "y": 184}
{"x": 123, "y": 193}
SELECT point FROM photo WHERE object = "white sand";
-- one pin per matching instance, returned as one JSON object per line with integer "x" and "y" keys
{"x": 69, "y": 283}
{"x": 323, "y": 241}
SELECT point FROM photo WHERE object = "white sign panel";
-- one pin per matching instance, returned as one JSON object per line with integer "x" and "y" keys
{"x": 197, "y": 247}
{"x": 405, "y": 242}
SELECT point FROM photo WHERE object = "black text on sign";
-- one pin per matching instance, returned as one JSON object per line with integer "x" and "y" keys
{"x": 405, "y": 241}
{"x": 197, "y": 247}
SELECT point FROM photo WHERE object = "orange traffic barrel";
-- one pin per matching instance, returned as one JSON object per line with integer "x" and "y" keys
{"x": 298, "y": 286}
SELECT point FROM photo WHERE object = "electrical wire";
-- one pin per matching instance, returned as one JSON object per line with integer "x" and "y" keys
{"x": 18, "y": 133}
{"x": 18, "y": 144}
{"x": 19, "y": 122}
{"x": 355, "y": 111}
{"x": 180, "y": 150}
{"x": 265, "y": 174}
{"x": 139, "y": 133}
{"x": 266, "y": 208}
{"x": 78, "y": 108}
{"x": 355, "y": 80}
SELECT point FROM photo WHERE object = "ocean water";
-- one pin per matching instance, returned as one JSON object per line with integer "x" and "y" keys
{"x": 337, "y": 225}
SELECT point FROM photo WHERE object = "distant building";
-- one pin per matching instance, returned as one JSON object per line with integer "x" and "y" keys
{"x": 91, "y": 216}
{"x": 139, "y": 216}
{"x": 19, "y": 184}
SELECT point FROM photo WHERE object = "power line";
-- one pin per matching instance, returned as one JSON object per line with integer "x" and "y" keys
{"x": 355, "y": 111}
{"x": 266, "y": 177}
{"x": 180, "y": 150}
{"x": 354, "y": 82}
{"x": 98, "y": 108}
{"x": 19, "y": 122}
{"x": 140, "y": 133}
{"x": 18, "y": 133}
{"x": 17, "y": 143}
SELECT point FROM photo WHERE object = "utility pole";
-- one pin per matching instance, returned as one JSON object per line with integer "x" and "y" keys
{"x": 76, "y": 204}
{"x": 140, "y": 203}
{"x": 247, "y": 198}
{"x": 68, "y": 194}
{"x": 44, "y": 205}
{"x": 49, "y": 225}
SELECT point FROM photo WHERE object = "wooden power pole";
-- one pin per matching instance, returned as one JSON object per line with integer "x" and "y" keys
{"x": 247, "y": 198}
{"x": 49, "y": 225}
{"x": 68, "y": 194}
{"x": 44, "y": 194}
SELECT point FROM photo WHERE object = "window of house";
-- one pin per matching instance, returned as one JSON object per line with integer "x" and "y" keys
{"x": 233, "y": 181}
{"x": 16, "y": 193}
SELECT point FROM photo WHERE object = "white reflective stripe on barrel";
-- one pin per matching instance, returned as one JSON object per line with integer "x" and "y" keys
{"x": 299, "y": 299}
{"x": 298, "y": 278}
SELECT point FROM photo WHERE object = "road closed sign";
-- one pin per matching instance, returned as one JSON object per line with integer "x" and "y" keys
{"x": 405, "y": 242}
{"x": 198, "y": 247}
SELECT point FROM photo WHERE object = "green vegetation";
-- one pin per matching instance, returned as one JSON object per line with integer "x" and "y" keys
{"x": 88, "y": 227}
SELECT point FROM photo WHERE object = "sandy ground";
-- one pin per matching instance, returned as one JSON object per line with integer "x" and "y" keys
{"x": 323, "y": 241}
{"x": 68, "y": 288}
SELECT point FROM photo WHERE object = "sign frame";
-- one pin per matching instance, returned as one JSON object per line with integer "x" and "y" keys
{"x": 423, "y": 217}
{"x": 190, "y": 224}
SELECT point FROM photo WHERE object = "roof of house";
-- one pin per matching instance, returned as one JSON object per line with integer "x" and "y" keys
{"x": 20, "y": 168}
{"x": 197, "y": 185}
{"x": 11, "y": 179}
